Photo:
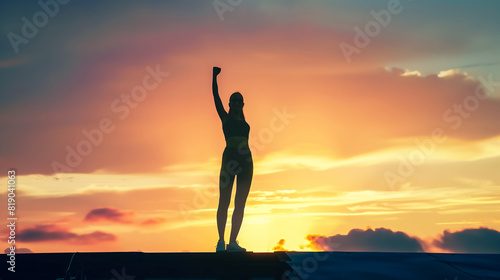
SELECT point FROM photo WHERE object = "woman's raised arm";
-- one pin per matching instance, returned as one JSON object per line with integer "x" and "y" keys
{"x": 215, "y": 90}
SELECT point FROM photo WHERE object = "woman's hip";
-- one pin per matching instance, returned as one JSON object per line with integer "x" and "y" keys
{"x": 237, "y": 153}
{"x": 235, "y": 160}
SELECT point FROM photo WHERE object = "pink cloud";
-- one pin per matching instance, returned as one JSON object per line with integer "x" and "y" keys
{"x": 153, "y": 221}
{"x": 52, "y": 233}
{"x": 18, "y": 250}
{"x": 109, "y": 214}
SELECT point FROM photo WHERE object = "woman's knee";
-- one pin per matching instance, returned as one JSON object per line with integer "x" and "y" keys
{"x": 239, "y": 207}
{"x": 223, "y": 204}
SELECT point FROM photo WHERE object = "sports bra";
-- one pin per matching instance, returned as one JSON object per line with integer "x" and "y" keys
{"x": 235, "y": 127}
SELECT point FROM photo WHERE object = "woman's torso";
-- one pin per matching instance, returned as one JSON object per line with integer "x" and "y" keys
{"x": 236, "y": 132}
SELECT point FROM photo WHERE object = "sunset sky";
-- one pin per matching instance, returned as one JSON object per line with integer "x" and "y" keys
{"x": 375, "y": 125}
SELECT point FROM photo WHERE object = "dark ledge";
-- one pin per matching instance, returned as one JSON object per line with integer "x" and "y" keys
{"x": 138, "y": 265}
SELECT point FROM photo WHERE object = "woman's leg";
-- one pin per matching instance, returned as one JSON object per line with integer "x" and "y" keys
{"x": 226, "y": 180}
{"x": 243, "y": 183}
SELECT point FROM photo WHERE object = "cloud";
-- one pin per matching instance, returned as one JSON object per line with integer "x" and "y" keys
{"x": 153, "y": 221}
{"x": 47, "y": 233}
{"x": 385, "y": 106}
{"x": 358, "y": 240}
{"x": 109, "y": 214}
{"x": 279, "y": 246}
{"x": 18, "y": 250}
{"x": 472, "y": 240}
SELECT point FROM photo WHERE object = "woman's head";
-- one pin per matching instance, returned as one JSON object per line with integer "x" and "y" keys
{"x": 236, "y": 104}
{"x": 236, "y": 100}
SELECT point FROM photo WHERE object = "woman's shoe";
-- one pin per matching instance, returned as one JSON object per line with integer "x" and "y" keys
{"x": 221, "y": 246}
{"x": 234, "y": 247}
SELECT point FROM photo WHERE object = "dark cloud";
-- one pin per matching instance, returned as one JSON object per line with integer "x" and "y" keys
{"x": 472, "y": 240}
{"x": 358, "y": 240}
{"x": 44, "y": 233}
{"x": 18, "y": 250}
{"x": 109, "y": 214}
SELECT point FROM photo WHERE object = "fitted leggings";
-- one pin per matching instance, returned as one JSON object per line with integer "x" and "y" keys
{"x": 236, "y": 162}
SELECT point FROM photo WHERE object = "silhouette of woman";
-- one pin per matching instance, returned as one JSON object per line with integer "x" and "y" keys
{"x": 236, "y": 160}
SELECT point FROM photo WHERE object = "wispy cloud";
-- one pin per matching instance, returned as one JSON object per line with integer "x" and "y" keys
{"x": 109, "y": 214}
{"x": 153, "y": 221}
{"x": 52, "y": 233}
